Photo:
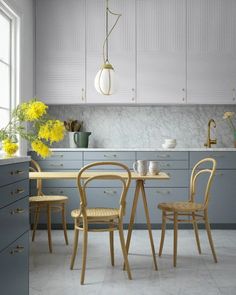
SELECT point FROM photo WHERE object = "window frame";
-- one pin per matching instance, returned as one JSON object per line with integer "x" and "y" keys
{"x": 14, "y": 55}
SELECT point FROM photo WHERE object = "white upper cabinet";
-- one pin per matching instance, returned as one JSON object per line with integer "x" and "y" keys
{"x": 161, "y": 51}
{"x": 121, "y": 49}
{"x": 211, "y": 51}
{"x": 60, "y": 51}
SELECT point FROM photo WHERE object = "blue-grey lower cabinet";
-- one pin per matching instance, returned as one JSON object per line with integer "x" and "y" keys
{"x": 178, "y": 164}
{"x": 14, "y": 228}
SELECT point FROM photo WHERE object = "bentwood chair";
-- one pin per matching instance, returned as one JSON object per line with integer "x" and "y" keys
{"x": 109, "y": 219}
{"x": 194, "y": 211}
{"x": 48, "y": 203}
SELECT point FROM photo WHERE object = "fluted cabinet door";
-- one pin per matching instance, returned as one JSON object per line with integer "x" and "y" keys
{"x": 211, "y": 51}
{"x": 161, "y": 51}
{"x": 60, "y": 51}
{"x": 121, "y": 49}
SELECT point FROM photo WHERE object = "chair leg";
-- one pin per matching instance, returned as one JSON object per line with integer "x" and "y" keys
{"x": 36, "y": 219}
{"x": 84, "y": 254}
{"x": 208, "y": 229}
{"x": 75, "y": 248}
{"x": 163, "y": 231}
{"x": 49, "y": 227}
{"x": 64, "y": 223}
{"x": 175, "y": 238}
{"x": 124, "y": 250}
{"x": 196, "y": 233}
{"x": 111, "y": 236}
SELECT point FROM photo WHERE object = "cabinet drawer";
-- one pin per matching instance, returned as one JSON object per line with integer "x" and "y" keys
{"x": 162, "y": 156}
{"x": 129, "y": 164}
{"x": 156, "y": 196}
{"x": 14, "y": 172}
{"x": 78, "y": 156}
{"x": 14, "y": 267}
{"x": 60, "y": 165}
{"x": 108, "y": 156}
{"x": 13, "y": 192}
{"x": 178, "y": 178}
{"x": 225, "y": 160}
{"x": 14, "y": 221}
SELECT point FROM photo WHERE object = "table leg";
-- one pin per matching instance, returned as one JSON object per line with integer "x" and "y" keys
{"x": 132, "y": 216}
{"x": 148, "y": 223}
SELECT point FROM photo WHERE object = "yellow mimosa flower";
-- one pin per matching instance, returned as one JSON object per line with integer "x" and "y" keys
{"x": 33, "y": 110}
{"x": 40, "y": 148}
{"x": 9, "y": 147}
{"x": 52, "y": 130}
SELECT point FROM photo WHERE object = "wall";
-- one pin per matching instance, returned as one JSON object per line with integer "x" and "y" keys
{"x": 147, "y": 126}
{"x": 26, "y": 10}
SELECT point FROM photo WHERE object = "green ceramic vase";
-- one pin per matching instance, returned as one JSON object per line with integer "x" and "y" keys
{"x": 81, "y": 139}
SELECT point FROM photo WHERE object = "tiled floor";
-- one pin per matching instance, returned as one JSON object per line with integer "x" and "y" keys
{"x": 50, "y": 273}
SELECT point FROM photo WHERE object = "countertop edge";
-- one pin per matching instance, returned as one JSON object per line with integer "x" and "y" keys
{"x": 14, "y": 160}
{"x": 143, "y": 150}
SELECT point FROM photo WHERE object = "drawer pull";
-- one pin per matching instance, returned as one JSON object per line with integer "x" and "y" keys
{"x": 219, "y": 174}
{"x": 18, "y": 249}
{"x": 19, "y": 191}
{"x": 56, "y": 165}
{"x": 110, "y": 156}
{"x": 18, "y": 172}
{"x": 163, "y": 155}
{"x": 163, "y": 192}
{"x": 55, "y": 193}
{"x": 57, "y": 156}
{"x": 110, "y": 192}
{"x": 17, "y": 211}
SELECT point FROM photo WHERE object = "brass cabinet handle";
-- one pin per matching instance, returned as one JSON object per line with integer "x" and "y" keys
{"x": 164, "y": 164}
{"x": 19, "y": 191}
{"x": 163, "y": 155}
{"x": 219, "y": 174}
{"x": 163, "y": 192}
{"x": 17, "y": 172}
{"x": 54, "y": 193}
{"x": 57, "y": 156}
{"x": 18, "y": 249}
{"x": 110, "y": 192}
{"x": 110, "y": 156}
{"x": 17, "y": 211}
{"x": 56, "y": 165}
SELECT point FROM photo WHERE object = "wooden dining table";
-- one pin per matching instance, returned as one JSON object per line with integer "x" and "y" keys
{"x": 139, "y": 191}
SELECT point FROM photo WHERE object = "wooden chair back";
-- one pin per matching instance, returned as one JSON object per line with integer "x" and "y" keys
{"x": 196, "y": 172}
{"x": 34, "y": 167}
{"x": 125, "y": 181}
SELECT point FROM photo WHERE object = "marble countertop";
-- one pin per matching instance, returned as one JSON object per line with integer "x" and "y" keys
{"x": 13, "y": 160}
{"x": 144, "y": 149}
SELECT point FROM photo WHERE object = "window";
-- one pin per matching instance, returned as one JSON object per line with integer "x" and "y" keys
{"x": 9, "y": 86}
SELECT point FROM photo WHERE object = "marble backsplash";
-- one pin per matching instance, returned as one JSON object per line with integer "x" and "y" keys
{"x": 147, "y": 126}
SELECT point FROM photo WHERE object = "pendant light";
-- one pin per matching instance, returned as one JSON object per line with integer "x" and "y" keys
{"x": 105, "y": 79}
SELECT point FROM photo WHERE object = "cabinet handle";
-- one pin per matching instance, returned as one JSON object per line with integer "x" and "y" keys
{"x": 17, "y": 211}
{"x": 82, "y": 94}
{"x": 164, "y": 165}
{"x": 163, "y": 192}
{"x": 133, "y": 95}
{"x": 17, "y": 172}
{"x": 19, "y": 191}
{"x": 18, "y": 249}
{"x": 56, "y": 156}
{"x": 110, "y": 156}
{"x": 110, "y": 192}
{"x": 56, "y": 165}
{"x": 163, "y": 155}
{"x": 54, "y": 193}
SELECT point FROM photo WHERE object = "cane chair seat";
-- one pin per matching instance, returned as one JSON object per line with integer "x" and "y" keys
{"x": 47, "y": 198}
{"x": 97, "y": 213}
{"x": 181, "y": 206}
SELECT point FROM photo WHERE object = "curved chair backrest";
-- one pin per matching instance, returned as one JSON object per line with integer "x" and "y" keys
{"x": 125, "y": 180}
{"x": 34, "y": 167}
{"x": 196, "y": 172}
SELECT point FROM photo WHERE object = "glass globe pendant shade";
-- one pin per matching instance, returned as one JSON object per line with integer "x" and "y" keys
{"x": 105, "y": 80}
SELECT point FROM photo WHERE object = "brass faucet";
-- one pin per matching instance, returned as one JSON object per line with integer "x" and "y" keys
{"x": 209, "y": 140}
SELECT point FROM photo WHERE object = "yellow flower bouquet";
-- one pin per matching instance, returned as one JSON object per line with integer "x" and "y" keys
{"x": 42, "y": 133}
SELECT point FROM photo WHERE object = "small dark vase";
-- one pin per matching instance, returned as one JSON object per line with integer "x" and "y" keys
{"x": 81, "y": 139}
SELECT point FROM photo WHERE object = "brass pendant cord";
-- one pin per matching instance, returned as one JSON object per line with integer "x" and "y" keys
{"x": 108, "y": 33}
